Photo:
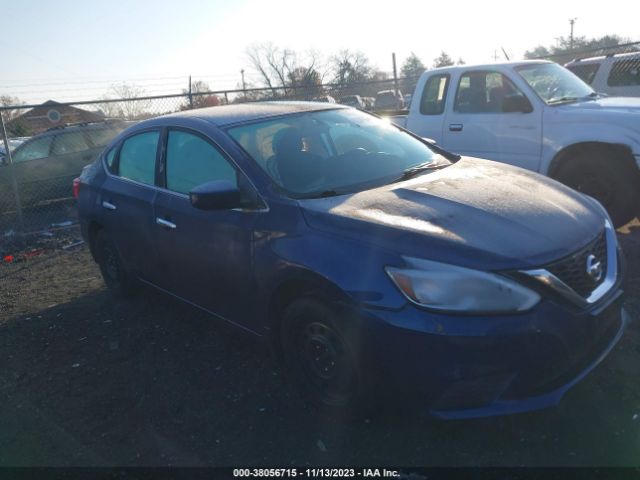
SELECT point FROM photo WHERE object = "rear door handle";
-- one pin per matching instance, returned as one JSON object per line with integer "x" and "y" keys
{"x": 165, "y": 223}
{"x": 455, "y": 127}
{"x": 108, "y": 205}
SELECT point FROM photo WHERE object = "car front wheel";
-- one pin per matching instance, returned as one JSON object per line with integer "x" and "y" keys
{"x": 320, "y": 352}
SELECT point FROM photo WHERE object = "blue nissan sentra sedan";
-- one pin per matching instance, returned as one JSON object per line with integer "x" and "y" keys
{"x": 374, "y": 262}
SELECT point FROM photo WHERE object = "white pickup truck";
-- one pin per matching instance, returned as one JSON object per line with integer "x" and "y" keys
{"x": 536, "y": 115}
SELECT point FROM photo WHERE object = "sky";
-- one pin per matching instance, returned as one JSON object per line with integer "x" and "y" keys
{"x": 75, "y": 49}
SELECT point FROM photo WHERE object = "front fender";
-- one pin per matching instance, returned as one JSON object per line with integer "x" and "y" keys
{"x": 558, "y": 136}
{"x": 342, "y": 267}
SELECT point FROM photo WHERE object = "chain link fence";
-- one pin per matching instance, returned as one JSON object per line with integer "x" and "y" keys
{"x": 47, "y": 145}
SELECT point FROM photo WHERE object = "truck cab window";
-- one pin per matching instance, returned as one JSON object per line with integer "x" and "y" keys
{"x": 434, "y": 95}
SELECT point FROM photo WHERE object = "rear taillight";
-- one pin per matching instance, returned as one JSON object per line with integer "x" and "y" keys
{"x": 76, "y": 187}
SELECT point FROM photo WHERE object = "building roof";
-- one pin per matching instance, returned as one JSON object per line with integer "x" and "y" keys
{"x": 51, "y": 114}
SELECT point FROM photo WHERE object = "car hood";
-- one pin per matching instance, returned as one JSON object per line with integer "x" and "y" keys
{"x": 475, "y": 213}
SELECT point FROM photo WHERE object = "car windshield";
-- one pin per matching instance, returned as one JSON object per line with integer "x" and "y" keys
{"x": 333, "y": 151}
{"x": 555, "y": 84}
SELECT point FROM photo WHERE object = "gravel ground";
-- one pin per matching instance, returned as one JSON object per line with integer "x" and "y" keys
{"x": 91, "y": 379}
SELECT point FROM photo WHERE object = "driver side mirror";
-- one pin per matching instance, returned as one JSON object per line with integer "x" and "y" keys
{"x": 215, "y": 195}
{"x": 516, "y": 104}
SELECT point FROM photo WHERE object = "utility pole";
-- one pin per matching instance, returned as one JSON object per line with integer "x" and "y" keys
{"x": 571, "y": 22}
{"x": 395, "y": 73}
{"x": 190, "y": 94}
{"x": 244, "y": 85}
{"x": 495, "y": 56}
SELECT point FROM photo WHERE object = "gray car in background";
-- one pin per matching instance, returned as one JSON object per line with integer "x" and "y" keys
{"x": 45, "y": 165}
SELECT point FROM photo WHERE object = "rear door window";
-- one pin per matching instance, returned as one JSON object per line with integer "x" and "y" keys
{"x": 137, "y": 159}
{"x": 586, "y": 72}
{"x": 66, "y": 143}
{"x": 192, "y": 161}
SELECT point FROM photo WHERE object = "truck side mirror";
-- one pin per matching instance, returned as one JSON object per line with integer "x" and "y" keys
{"x": 516, "y": 104}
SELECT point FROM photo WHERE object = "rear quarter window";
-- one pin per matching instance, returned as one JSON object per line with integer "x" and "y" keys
{"x": 625, "y": 73}
{"x": 434, "y": 95}
{"x": 110, "y": 160}
{"x": 102, "y": 136}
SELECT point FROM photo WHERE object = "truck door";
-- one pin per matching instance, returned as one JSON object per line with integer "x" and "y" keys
{"x": 491, "y": 118}
{"x": 427, "y": 113}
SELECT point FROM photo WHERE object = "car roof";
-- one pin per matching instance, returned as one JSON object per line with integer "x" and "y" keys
{"x": 600, "y": 58}
{"x": 69, "y": 127}
{"x": 226, "y": 115}
{"x": 486, "y": 66}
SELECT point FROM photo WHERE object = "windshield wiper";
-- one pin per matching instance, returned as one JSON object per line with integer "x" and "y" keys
{"x": 418, "y": 169}
{"x": 557, "y": 101}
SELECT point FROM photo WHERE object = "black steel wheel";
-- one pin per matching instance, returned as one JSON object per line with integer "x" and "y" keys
{"x": 320, "y": 352}
{"x": 111, "y": 267}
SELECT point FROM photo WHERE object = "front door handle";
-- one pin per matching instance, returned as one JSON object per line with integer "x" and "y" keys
{"x": 455, "y": 127}
{"x": 108, "y": 205}
{"x": 165, "y": 223}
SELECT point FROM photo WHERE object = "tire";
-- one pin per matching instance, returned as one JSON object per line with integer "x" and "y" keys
{"x": 610, "y": 180}
{"x": 111, "y": 266}
{"x": 322, "y": 357}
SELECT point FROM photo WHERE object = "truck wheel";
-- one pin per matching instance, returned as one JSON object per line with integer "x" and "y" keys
{"x": 111, "y": 267}
{"x": 320, "y": 355}
{"x": 607, "y": 179}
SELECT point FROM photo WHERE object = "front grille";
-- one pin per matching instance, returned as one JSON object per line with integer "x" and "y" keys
{"x": 573, "y": 270}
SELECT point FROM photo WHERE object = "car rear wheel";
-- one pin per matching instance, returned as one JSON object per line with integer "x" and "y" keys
{"x": 607, "y": 179}
{"x": 111, "y": 266}
{"x": 321, "y": 355}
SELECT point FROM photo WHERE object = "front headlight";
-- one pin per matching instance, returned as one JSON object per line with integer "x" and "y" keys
{"x": 449, "y": 288}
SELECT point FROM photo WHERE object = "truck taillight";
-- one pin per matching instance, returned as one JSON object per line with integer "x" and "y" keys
{"x": 76, "y": 187}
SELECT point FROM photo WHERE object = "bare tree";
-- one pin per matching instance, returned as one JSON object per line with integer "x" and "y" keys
{"x": 285, "y": 69}
{"x": 273, "y": 64}
{"x": 132, "y": 107}
{"x": 9, "y": 101}
{"x": 350, "y": 67}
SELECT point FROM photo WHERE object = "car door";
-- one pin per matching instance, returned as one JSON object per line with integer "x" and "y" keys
{"x": 208, "y": 254}
{"x": 126, "y": 202}
{"x": 427, "y": 117}
{"x": 481, "y": 125}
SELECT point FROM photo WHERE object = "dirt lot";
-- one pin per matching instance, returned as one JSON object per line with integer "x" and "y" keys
{"x": 88, "y": 378}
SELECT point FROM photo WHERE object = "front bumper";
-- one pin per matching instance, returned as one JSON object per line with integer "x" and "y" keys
{"x": 469, "y": 367}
